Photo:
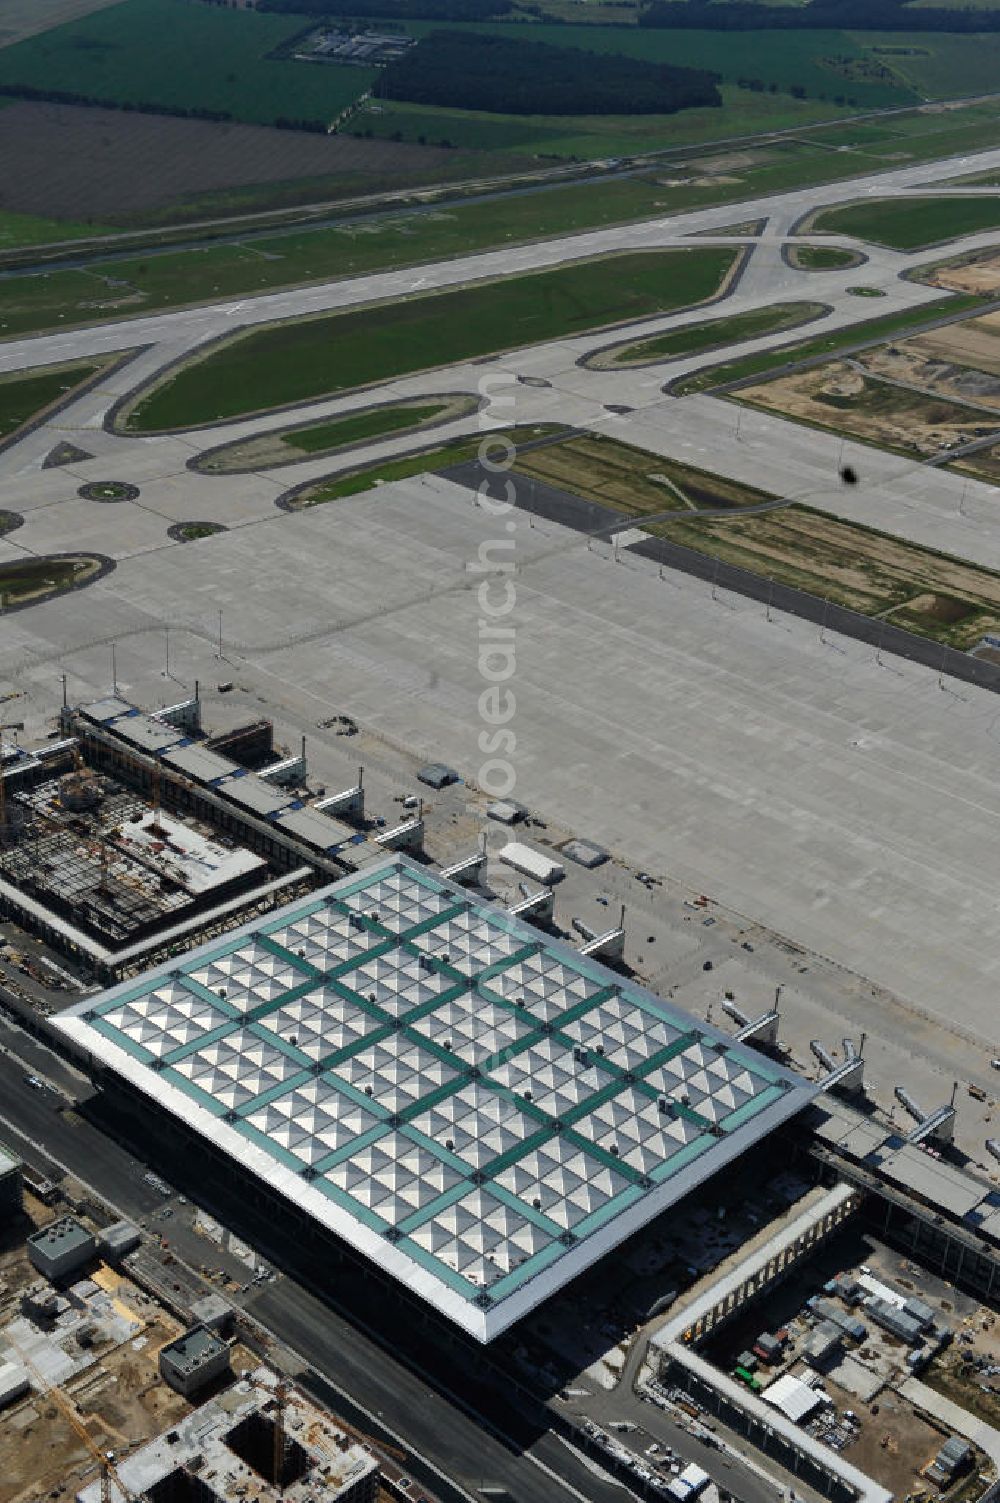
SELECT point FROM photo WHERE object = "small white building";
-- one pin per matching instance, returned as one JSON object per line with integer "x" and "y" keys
{"x": 535, "y": 864}
{"x": 13, "y": 1382}
{"x": 796, "y": 1400}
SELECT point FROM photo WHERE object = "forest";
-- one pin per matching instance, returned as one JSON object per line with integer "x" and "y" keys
{"x": 511, "y": 76}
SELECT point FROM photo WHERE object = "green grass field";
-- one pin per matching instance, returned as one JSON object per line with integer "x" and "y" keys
{"x": 186, "y": 54}
{"x": 786, "y": 58}
{"x": 22, "y": 396}
{"x": 34, "y": 302}
{"x": 936, "y": 65}
{"x": 377, "y": 423}
{"x": 910, "y": 223}
{"x": 717, "y": 333}
{"x": 423, "y": 462}
{"x": 820, "y": 257}
{"x": 872, "y": 331}
{"x": 25, "y": 230}
{"x": 744, "y": 113}
{"x": 300, "y": 361}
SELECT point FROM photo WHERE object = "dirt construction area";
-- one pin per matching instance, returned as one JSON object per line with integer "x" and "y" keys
{"x": 979, "y": 273}
{"x": 960, "y": 362}
{"x": 844, "y": 397}
{"x": 69, "y": 162}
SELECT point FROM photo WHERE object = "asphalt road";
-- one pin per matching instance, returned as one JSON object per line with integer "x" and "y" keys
{"x": 30, "y": 1120}
{"x": 423, "y": 1418}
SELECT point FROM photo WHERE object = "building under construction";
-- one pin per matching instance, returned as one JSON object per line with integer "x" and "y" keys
{"x": 136, "y": 836}
{"x": 260, "y": 1439}
{"x": 111, "y": 879}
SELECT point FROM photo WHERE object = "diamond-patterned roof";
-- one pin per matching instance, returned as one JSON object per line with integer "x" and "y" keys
{"x": 475, "y": 1106}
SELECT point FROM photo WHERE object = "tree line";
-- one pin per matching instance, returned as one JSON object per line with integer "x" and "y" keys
{"x": 393, "y": 10}
{"x": 512, "y": 76}
{"x": 832, "y": 15}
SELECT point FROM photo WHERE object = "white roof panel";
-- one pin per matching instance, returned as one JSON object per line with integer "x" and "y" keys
{"x": 472, "y": 1105}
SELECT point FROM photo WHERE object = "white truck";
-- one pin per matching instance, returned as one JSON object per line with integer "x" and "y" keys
{"x": 689, "y": 1484}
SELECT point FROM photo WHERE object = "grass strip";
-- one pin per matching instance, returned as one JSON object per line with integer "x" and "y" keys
{"x": 909, "y": 223}
{"x": 340, "y": 432}
{"x": 23, "y": 397}
{"x": 289, "y": 363}
{"x": 718, "y": 333}
{"x": 423, "y": 462}
{"x": 872, "y": 331}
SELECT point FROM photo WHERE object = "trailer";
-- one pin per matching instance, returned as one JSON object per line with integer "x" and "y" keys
{"x": 534, "y": 864}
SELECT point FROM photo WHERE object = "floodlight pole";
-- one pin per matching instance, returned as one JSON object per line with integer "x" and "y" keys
{"x": 220, "y": 636}
{"x": 166, "y": 652}
{"x": 826, "y": 612}
{"x": 715, "y": 579}
{"x": 770, "y": 597}
{"x": 114, "y": 670}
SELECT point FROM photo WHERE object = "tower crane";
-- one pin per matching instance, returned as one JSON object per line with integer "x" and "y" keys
{"x": 280, "y": 1392}
{"x": 105, "y": 1459}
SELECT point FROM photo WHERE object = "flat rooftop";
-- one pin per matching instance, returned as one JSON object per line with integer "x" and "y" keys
{"x": 470, "y": 1104}
{"x": 191, "y": 1349}
{"x": 60, "y": 1235}
{"x": 193, "y": 860}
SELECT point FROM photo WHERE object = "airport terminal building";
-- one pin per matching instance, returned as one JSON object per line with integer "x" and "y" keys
{"x": 475, "y": 1109}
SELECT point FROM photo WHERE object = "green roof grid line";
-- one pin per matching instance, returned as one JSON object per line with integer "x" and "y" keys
{"x": 446, "y": 1155}
{"x": 433, "y": 1208}
{"x": 441, "y": 1093}
{"x": 433, "y": 920}
{"x": 751, "y": 1108}
{"x": 194, "y": 1046}
{"x": 207, "y": 995}
{"x": 530, "y": 1269}
{"x": 524, "y": 1208}
{"x": 482, "y": 978}
{"x": 350, "y": 1203}
{"x": 455, "y": 1282}
{"x": 131, "y": 1046}
{"x": 275, "y": 1004}
{"x": 290, "y": 956}
{"x": 194, "y": 1093}
{"x": 514, "y": 1155}
{"x": 559, "y": 1151}
{"x": 612, "y": 1208}
{"x": 281, "y": 1088}
{"x": 591, "y": 1103}
{"x": 609, "y": 1160}
{"x": 262, "y": 1140}
{"x": 682, "y": 1158}
{"x": 348, "y": 1150}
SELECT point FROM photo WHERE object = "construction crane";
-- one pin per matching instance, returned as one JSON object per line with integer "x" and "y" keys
{"x": 105, "y": 1459}
{"x": 11, "y": 725}
{"x": 280, "y": 1392}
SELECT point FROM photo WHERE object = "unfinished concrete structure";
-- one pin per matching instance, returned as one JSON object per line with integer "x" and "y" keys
{"x": 261, "y": 1436}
